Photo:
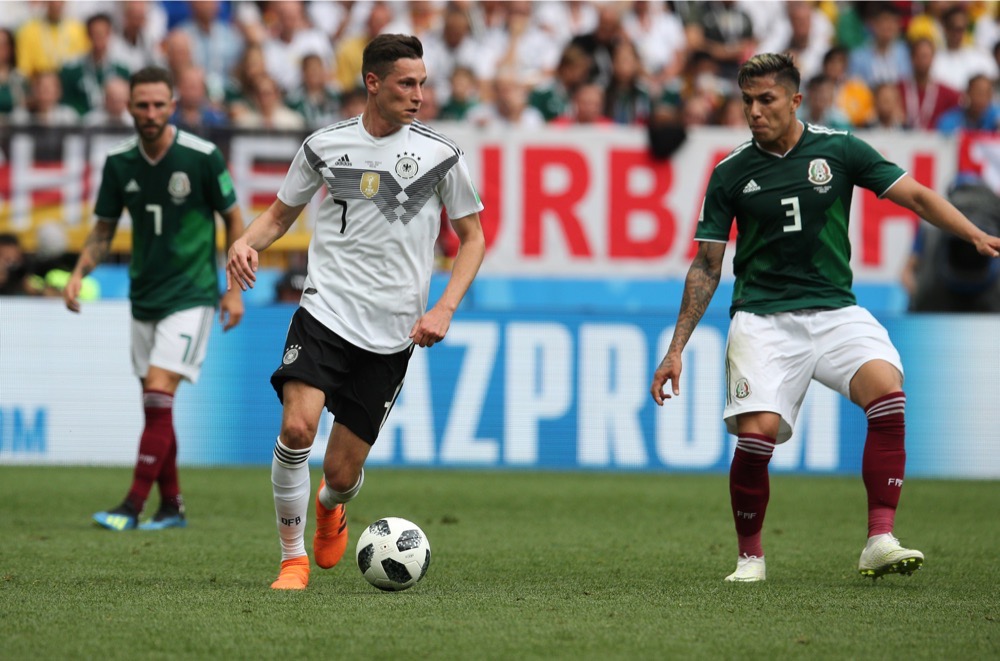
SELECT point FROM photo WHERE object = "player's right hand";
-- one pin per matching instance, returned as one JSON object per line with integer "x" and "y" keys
{"x": 71, "y": 291}
{"x": 241, "y": 265}
{"x": 669, "y": 370}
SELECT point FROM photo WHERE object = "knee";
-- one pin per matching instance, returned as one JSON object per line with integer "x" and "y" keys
{"x": 297, "y": 433}
{"x": 340, "y": 478}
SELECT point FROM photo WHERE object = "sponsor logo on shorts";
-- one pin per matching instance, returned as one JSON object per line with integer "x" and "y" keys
{"x": 742, "y": 389}
{"x": 291, "y": 354}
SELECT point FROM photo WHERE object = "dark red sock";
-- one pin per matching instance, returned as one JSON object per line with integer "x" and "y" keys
{"x": 154, "y": 445}
{"x": 749, "y": 490}
{"x": 169, "y": 482}
{"x": 884, "y": 460}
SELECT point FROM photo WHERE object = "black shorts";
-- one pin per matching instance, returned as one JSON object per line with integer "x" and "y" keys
{"x": 360, "y": 386}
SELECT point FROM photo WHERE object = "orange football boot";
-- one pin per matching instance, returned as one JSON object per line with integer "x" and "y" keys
{"x": 330, "y": 540}
{"x": 294, "y": 574}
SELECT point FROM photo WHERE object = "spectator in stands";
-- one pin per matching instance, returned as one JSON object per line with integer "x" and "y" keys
{"x": 316, "y": 99}
{"x": 851, "y": 95}
{"x": 553, "y": 97}
{"x": 13, "y": 87}
{"x": 627, "y": 98}
{"x": 819, "y": 108}
{"x": 450, "y": 48}
{"x": 805, "y": 32}
{"x": 565, "y": 20}
{"x": 884, "y": 58}
{"x": 508, "y": 108}
{"x": 240, "y": 84}
{"x": 586, "y": 109}
{"x": 13, "y": 267}
{"x": 269, "y": 110}
{"x": 658, "y": 35}
{"x": 464, "y": 94}
{"x": 600, "y": 43}
{"x": 429, "y": 109}
{"x": 889, "y": 113}
{"x": 44, "y": 106}
{"x": 924, "y": 99}
{"x": 727, "y": 35}
{"x": 114, "y": 111}
{"x": 292, "y": 38}
{"x": 731, "y": 113}
{"x": 143, "y": 27}
{"x": 978, "y": 112}
{"x": 216, "y": 44}
{"x": 960, "y": 60}
{"x": 48, "y": 42}
{"x": 942, "y": 273}
{"x": 349, "y": 50}
{"x": 178, "y": 53}
{"x": 352, "y": 102}
{"x": 83, "y": 78}
{"x": 195, "y": 112}
{"x": 523, "y": 50}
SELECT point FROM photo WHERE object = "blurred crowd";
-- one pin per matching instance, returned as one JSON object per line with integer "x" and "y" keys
{"x": 297, "y": 65}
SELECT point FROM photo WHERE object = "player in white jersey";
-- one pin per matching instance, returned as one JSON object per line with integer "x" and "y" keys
{"x": 364, "y": 302}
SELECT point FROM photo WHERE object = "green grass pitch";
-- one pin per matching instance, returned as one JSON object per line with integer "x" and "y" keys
{"x": 524, "y": 566}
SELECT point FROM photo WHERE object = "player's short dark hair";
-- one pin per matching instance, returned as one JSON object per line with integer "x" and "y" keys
{"x": 381, "y": 53}
{"x": 779, "y": 65}
{"x": 151, "y": 75}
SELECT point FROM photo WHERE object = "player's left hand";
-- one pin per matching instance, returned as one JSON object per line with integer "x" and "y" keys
{"x": 431, "y": 328}
{"x": 231, "y": 309}
{"x": 988, "y": 246}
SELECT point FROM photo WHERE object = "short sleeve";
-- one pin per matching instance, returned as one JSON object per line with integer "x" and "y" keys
{"x": 223, "y": 191}
{"x": 716, "y": 217}
{"x": 301, "y": 181}
{"x": 868, "y": 168}
{"x": 458, "y": 193}
{"x": 110, "y": 197}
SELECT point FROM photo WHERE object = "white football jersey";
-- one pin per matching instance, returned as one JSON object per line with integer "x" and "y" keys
{"x": 372, "y": 251}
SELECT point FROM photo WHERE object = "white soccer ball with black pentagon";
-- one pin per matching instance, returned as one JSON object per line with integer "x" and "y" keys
{"x": 393, "y": 554}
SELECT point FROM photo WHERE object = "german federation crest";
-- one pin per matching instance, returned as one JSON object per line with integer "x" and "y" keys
{"x": 179, "y": 186}
{"x": 406, "y": 167}
{"x": 369, "y": 184}
{"x": 819, "y": 172}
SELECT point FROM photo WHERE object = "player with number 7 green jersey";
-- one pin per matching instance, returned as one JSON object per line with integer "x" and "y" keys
{"x": 172, "y": 203}
{"x": 791, "y": 211}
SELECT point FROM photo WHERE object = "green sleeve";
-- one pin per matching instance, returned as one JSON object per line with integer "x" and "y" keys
{"x": 223, "y": 191}
{"x": 110, "y": 198}
{"x": 716, "y": 217}
{"x": 869, "y": 168}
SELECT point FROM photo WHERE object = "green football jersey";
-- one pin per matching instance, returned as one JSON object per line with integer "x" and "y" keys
{"x": 793, "y": 251}
{"x": 172, "y": 203}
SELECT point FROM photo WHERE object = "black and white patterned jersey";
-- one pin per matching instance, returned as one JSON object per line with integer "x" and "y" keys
{"x": 372, "y": 250}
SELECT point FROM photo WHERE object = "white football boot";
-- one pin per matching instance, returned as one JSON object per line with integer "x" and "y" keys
{"x": 749, "y": 569}
{"x": 884, "y": 555}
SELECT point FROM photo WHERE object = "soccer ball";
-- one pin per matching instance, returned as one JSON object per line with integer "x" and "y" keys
{"x": 393, "y": 554}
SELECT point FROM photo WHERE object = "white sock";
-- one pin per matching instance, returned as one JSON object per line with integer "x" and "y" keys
{"x": 290, "y": 482}
{"x": 330, "y": 498}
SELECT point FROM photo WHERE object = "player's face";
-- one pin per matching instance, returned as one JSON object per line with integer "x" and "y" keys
{"x": 151, "y": 105}
{"x": 398, "y": 96}
{"x": 769, "y": 108}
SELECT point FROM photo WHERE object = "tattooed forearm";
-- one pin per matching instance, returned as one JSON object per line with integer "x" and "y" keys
{"x": 97, "y": 247}
{"x": 699, "y": 287}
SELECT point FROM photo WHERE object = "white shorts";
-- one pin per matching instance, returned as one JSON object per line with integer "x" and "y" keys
{"x": 177, "y": 343}
{"x": 772, "y": 358}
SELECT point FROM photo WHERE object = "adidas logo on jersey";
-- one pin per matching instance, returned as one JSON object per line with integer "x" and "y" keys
{"x": 343, "y": 162}
{"x": 132, "y": 187}
{"x": 751, "y": 187}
